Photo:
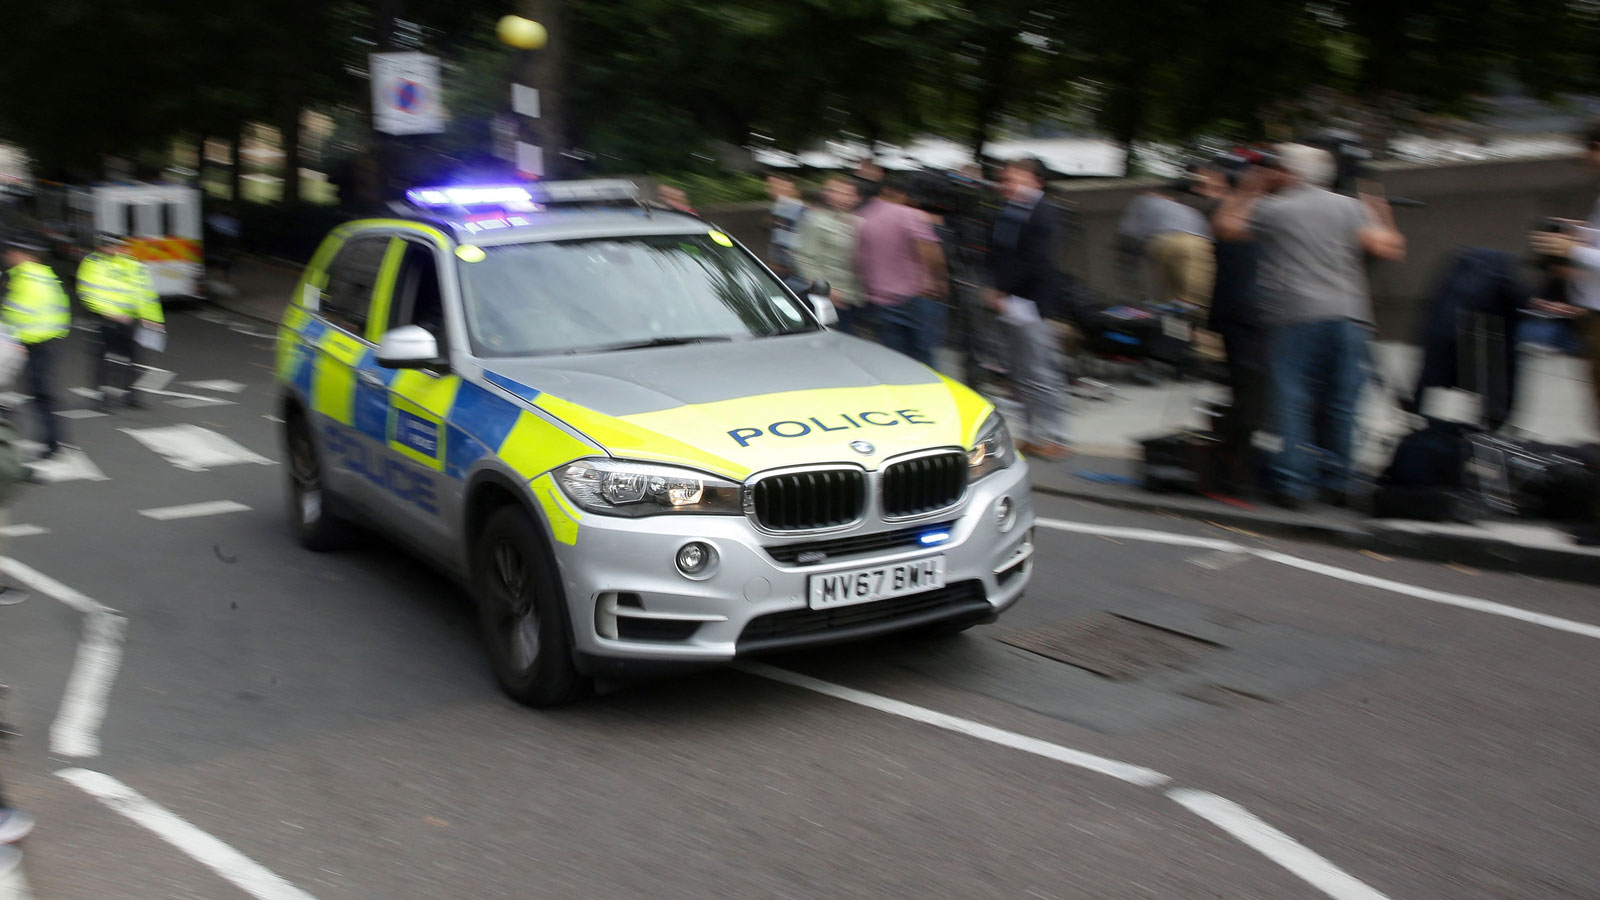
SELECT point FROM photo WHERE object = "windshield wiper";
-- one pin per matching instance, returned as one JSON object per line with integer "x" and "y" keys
{"x": 654, "y": 342}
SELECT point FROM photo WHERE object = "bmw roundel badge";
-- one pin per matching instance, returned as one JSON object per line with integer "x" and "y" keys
{"x": 863, "y": 447}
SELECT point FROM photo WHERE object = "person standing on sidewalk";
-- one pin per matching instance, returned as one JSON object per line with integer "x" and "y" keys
{"x": 1578, "y": 246}
{"x": 1025, "y": 284}
{"x": 37, "y": 309}
{"x": 902, "y": 270}
{"x": 827, "y": 251}
{"x": 1314, "y": 245}
{"x": 118, "y": 289}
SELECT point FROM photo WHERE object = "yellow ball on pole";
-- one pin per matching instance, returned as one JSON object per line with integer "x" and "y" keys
{"x": 523, "y": 34}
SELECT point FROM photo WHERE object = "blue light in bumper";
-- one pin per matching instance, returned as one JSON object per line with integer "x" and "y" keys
{"x": 934, "y": 537}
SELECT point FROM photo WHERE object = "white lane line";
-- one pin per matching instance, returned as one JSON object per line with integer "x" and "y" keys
{"x": 1460, "y": 601}
{"x": 44, "y": 584}
{"x": 1116, "y": 769}
{"x": 13, "y": 883}
{"x": 219, "y": 385}
{"x": 1231, "y": 817}
{"x": 15, "y": 531}
{"x": 273, "y": 419}
{"x": 1142, "y": 534}
{"x": 193, "y": 510}
{"x": 1274, "y": 844}
{"x": 76, "y": 729}
{"x": 240, "y": 870}
{"x": 79, "y": 413}
{"x": 1421, "y": 593}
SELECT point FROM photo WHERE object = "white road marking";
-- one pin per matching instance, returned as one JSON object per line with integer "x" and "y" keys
{"x": 67, "y": 465}
{"x": 273, "y": 419}
{"x": 12, "y": 399}
{"x": 1231, "y": 817}
{"x": 196, "y": 402}
{"x": 154, "y": 379}
{"x": 194, "y": 448}
{"x": 13, "y": 883}
{"x": 220, "y": 385}
{"x": 193, "y": 510}
{"x": 1274, "y": 844}
{"x": 1119, "y": 770}
{"x": 86, "y": 393}
{"x": 242, "y": 871}
{"x": 22, "y": 530}
{"x": 76, "y": 729}
{"x": 1461, "y": 601}
{"x": 79, "y": 413}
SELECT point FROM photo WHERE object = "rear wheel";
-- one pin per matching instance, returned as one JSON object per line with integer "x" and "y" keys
{"x": 310, "y": 513}
{"x": 522, "y": 614}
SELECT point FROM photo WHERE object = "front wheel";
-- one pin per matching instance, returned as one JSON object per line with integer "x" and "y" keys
{"x": 310, "y": 513}
{"x": 521, "y": 613}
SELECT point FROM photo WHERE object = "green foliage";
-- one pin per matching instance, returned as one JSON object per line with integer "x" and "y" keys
{"x": 655, "y": 85}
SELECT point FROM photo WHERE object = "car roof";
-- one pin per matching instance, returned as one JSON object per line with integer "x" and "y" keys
{"x": 558, "y": 224}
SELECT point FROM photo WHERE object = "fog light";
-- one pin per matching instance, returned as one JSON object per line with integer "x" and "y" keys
{"x": 695, "y": 559}
{"x": 1005, "y": 515}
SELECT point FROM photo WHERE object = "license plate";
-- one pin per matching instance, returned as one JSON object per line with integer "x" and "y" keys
{"x": 876, "y": 582}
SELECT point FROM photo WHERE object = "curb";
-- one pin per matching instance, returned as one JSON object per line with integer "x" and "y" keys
{"x": 1577, "y": 565}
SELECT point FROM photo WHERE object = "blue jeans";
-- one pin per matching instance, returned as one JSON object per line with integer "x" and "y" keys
{"x": 1318, "y": 370}
{"x": 914, "y": 327}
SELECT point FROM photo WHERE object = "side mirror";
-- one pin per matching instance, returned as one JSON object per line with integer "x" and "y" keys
{"x": 408, "y": 347}
{"x": 827, "y": 316}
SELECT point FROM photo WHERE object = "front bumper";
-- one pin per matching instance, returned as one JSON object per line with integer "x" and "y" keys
{"x": 629, "y": 603}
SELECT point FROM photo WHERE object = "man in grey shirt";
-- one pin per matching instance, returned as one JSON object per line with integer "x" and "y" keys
{"x": 1313, "y": 282}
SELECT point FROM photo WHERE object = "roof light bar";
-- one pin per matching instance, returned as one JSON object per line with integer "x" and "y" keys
{"x": 469, "y": 196}
{"x": 613, "y": 190}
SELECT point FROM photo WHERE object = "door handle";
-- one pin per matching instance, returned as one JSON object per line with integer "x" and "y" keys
{"x": 370, "y": 378}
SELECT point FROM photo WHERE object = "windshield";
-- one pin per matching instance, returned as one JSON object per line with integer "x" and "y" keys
{"x": 615, "y": 293}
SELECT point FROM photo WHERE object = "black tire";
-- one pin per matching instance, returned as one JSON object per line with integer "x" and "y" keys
{"x": 311, "y": 510}
{"x": 522, "y": 612}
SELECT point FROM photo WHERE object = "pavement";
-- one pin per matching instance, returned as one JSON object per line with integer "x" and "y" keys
{"x": 1177, "y": 710}
{"x": 1554, "y": 405}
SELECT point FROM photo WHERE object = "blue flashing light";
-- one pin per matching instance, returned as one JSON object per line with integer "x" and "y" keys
{"x": 934, "y": 537}
{"x": 478, "y": 195}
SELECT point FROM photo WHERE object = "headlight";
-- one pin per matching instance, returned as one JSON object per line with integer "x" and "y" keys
{"x": 621, "y": 488}
{"x": 994, "y": 450}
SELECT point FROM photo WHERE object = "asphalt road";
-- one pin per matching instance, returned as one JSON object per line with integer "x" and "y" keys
{"x": 1228, "y": 724}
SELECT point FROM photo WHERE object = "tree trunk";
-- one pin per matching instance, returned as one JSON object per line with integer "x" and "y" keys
{"x": 289, "y": 132}
{"x": 235, "y": 162}
{"x": 545, "y": 70}
{"x": 998, "y": 66}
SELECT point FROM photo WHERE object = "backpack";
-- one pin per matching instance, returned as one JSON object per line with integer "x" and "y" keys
{"x": 1428, "y": 479}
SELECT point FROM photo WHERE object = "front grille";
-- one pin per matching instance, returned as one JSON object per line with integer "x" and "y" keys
{"x": 924, "y": 484}
{"x": 856, "y": 544}
{"x": 774, "y": 630}
{"x": 808, "y": 501}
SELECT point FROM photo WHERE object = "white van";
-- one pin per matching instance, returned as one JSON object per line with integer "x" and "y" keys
{"x": 161, "y": 222}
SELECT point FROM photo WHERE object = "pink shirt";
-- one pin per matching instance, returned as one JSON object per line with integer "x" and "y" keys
{"x": 888, "y": 256}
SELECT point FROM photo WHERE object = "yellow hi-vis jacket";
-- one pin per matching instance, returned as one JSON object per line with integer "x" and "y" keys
{"x": 118, "y": 286}
{"x": 36, "y": 306}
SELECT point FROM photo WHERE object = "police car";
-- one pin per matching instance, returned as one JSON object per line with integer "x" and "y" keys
{"x": 631, "y": 441}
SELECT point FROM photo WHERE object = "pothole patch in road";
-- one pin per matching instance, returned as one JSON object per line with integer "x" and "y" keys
{"x": 1112, "y": 646}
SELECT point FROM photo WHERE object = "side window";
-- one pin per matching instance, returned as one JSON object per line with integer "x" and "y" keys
{"x": 417, "y": 298}
{"x": 351, "y": 275}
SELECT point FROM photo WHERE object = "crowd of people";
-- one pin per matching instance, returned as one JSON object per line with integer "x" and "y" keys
{"x": 1256, "y": 248}
{"x": 919, "y": 261}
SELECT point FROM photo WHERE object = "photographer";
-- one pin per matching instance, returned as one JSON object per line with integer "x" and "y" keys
{"x": 1314, "y": 244}
{"x": 1574, "y": 248}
